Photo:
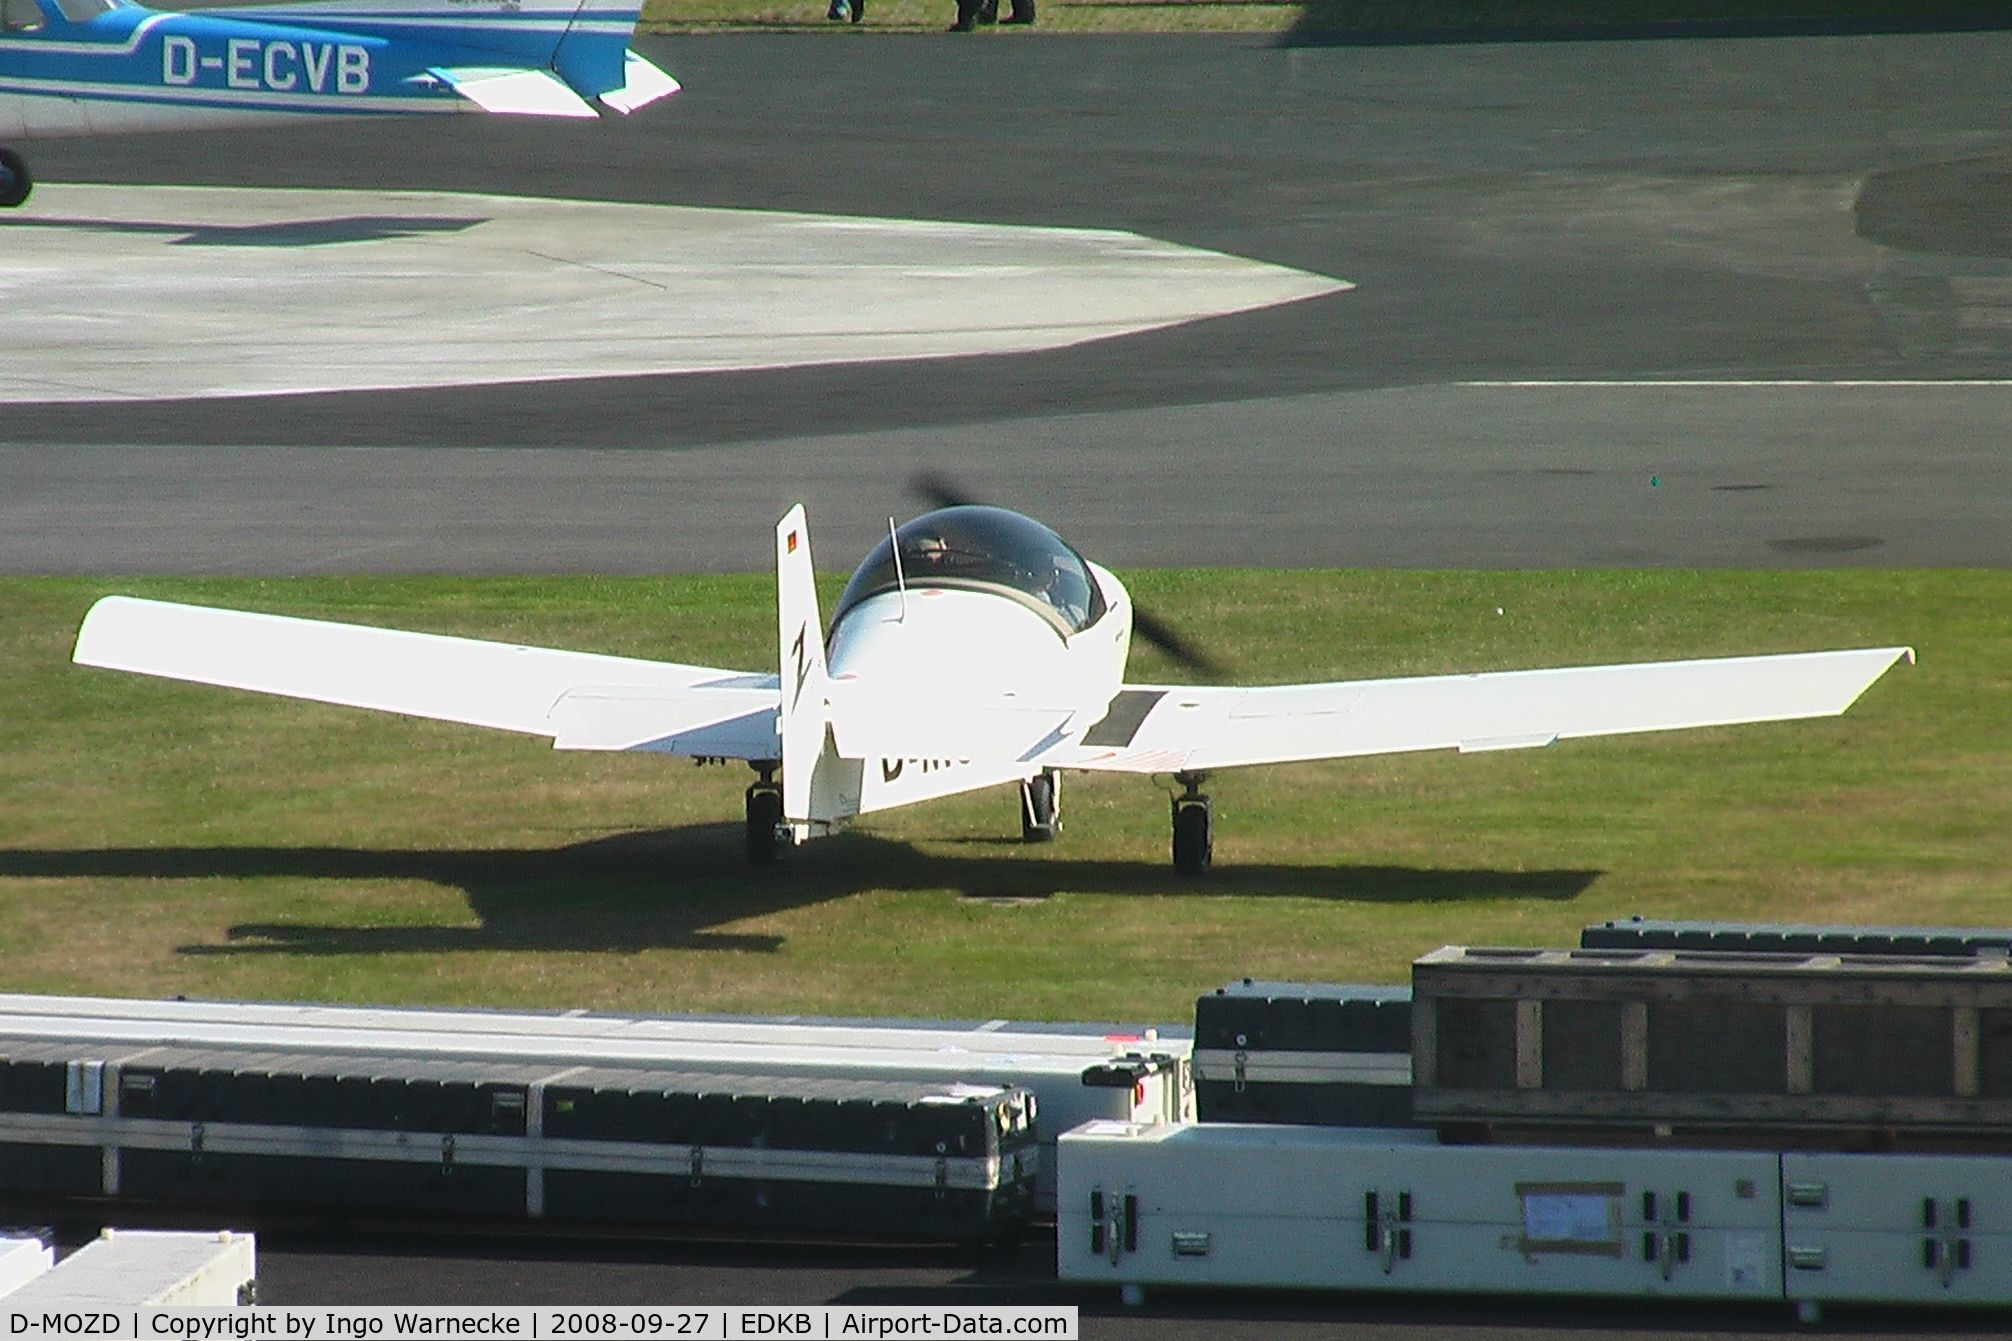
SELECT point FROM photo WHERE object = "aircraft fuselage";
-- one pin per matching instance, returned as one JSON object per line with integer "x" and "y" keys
{"x": 966, "y": 638}
{"x": 130, "y": 68}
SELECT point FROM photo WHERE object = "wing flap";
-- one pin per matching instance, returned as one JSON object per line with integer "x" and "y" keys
{"x": 1204, "y": 728}
{"x": 710, "y": 722}
{"x": 866, "y": 726}
{"x": 476, "y": 683}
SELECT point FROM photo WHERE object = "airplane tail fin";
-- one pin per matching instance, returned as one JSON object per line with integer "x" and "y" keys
{"x": 595, "y": 61}
{"x": 800, "y": 647}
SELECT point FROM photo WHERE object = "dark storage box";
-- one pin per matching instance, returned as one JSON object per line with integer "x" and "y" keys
{"x": 1322, "y": 1054}
{"x": 310, "y": 1090}
{"x": 447, "y": 1136}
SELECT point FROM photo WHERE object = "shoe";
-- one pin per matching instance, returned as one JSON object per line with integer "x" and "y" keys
{"x": 961, "y": 26}
{"x": 1024, "y": 20}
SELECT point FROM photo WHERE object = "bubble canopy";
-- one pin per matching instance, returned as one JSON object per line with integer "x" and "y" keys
{"x": 972, "y": 548}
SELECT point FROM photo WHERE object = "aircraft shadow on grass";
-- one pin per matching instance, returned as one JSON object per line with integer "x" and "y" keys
{"x": 682, "y": 888}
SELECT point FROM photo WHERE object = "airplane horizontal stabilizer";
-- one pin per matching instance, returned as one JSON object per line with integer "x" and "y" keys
{"x": 497, "y": 685}
{"x": 645, "y": 83}
{"x": 512, "y": 92}
{"x": 1164, "y": 729}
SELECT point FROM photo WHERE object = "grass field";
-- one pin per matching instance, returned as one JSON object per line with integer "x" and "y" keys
{"x": 164, "y": 838}
{"x": 1370, "y": 20}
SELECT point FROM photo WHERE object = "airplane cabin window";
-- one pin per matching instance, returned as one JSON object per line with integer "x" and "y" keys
{"x": 83, "y": 11}
{"x": 21, "y": 16}
{"x": 983, "y": 549}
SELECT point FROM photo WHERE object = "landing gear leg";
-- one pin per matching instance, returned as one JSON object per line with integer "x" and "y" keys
{"x": 764, "y": 814}
{"x": 1194, "y": 843}
{"x": 1041, "y": 807}
{"x": 15, "y": 183}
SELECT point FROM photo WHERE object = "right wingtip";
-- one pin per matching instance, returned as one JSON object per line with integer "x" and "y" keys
{"x": 81, "y": 652}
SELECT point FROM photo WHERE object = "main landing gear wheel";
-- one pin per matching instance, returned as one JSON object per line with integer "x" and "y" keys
{"x": 1194, "y": 843}
{"x": 15, "y": 183}
{"x": 1041, "y": 807}
{"x": 764, "y": 818}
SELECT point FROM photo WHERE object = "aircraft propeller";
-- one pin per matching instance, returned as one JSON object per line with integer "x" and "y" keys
{"x": 944, "y": 493}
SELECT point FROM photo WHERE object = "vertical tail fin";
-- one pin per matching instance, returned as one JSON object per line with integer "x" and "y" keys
{"x": 595, "y": 61}
{"x": 800, "y": 647}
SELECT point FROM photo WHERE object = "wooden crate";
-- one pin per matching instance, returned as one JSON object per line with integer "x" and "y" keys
{"x": 1703, "y": 1038}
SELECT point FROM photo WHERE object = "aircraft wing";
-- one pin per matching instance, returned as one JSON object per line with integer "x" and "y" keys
{"x": 1163, "y": 729}
{"x": 581, "y": 700}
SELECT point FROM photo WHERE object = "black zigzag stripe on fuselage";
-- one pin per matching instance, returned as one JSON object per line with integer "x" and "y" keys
{"x": 1127, "y": 713}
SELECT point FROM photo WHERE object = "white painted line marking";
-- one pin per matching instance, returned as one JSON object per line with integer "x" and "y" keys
{"x": 1716, "y": 383}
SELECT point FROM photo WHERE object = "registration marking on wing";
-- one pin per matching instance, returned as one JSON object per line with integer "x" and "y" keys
{"x": 1141, "y": 761}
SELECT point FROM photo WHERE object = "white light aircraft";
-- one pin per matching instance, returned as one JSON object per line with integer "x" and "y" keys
{"x": 972, "y": 648}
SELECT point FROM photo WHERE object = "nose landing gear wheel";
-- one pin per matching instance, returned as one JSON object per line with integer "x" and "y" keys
{"x": 1041, "y": 807}
{"x": 1194, "y": 842}
{"x": 15, "y": 183}
{"x": 764, "y": 819}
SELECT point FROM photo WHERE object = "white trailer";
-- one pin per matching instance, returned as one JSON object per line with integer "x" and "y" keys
{"x": 23, "y": 1257}
{"x": 137, "y": 1268}
{"x": 1391, "y": 1209}
{"x": 1898, "y": 1229}
{"x": 1364, "y": 1209}
{"x": 1074, "y": 1072}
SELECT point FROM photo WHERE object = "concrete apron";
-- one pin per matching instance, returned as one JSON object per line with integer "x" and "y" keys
{"x": 118, "y": 292}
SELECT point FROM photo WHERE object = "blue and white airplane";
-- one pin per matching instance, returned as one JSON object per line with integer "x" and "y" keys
{"x": 95, "y": 67}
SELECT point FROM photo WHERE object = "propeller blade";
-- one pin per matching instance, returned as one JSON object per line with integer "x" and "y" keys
{"x": 944, "y": 492}
{"x": 941, "y": 491}
{"x": 1162, "y": 635}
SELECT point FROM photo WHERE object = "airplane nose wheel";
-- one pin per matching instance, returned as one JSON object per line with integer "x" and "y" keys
{"x": 1194, "y": 843}
{"x": 764, "y": 818}
{"x": 1041, "y": 807}
{"x": 15, "y": 184}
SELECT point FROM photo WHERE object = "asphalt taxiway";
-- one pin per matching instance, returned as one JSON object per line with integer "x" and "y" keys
{"x": 1808, "y": 234}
